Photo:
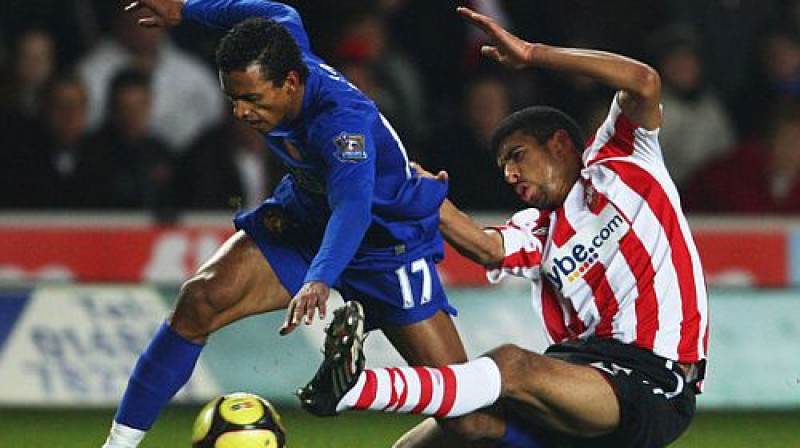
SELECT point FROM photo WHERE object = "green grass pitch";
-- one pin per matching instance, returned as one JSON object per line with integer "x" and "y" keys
{"x": 69, "y": 428}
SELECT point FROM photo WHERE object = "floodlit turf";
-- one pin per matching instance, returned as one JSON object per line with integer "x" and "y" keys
{"x": 26, "y": 428}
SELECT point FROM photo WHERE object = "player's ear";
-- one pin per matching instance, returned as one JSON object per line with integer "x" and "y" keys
{"x": 292, "y": 82}
{"x": 562, "y": 144}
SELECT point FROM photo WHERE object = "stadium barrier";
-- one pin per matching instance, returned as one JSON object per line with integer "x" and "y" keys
{"x": 76, "y": 344}
{"x": 34, "y": 247}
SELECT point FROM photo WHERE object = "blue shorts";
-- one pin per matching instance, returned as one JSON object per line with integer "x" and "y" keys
{"x": 406, "y": 293}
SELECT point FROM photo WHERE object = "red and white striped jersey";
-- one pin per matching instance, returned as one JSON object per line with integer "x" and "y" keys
{"x": 617, "y": 259}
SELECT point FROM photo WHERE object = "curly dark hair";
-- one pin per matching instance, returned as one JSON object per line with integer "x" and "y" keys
{"x": 540, "y": 122}
{"x": 265, "y": 42}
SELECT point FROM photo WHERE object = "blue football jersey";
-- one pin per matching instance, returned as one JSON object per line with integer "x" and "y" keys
{"x": 350, "y": 183}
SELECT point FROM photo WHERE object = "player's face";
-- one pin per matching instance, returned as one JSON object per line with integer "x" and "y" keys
{"x": 259, "y": 102}
{"x": 541, "y": 174}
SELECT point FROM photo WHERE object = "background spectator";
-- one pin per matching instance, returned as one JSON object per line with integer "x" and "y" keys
{"x": 760, "y": 176}
{"x": 696, "y": 125}
{"x": 435, "y": 40}
{"x": 186, "y": 94}
{"x": 368, "y": 58}
{"x": 73, "y": 24}
{"x": 461, "y": 147}
{"x": 729, "y": 33}
{"x": 127, "y": 166}
{"x": 228, "y": 166}
{"x": 777, "y": 75}
{"x": 746, "y": 53}
{"x": 40, "y": 160}
{"x": 33, "y": 62}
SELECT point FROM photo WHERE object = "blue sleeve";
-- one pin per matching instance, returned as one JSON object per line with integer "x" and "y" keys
{"x": 224, "y": 14}
{"x": 349, "y": 155}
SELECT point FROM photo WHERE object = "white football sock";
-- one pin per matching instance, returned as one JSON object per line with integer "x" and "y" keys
{"x": 122, "y": 436}
{"x": 447, "y": 391}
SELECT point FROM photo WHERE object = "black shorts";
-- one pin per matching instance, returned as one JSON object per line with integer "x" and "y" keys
{"x": 656, "y": 403}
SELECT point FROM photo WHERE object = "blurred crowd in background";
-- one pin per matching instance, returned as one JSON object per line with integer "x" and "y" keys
{"x": 99, "y": 113}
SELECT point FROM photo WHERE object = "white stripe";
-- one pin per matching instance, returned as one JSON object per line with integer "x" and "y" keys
{"x": 438, "y": 391}
{"x": 414, "y": 388}
{"x": 400, "y": 145}
{"x": 383, "y": 394}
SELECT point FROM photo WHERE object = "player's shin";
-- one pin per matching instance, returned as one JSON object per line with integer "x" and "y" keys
{"x": 448, "y": 391}
{"x": 163, "y": 368}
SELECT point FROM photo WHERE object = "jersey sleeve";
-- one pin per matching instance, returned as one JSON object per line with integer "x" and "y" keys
{"x": 348, "y": 152}
{"x": 523, "y": 240}
{"x": 620, "y": 138}
{"x": 224, "y": 14}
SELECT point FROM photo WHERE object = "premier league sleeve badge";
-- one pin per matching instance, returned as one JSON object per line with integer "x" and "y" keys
{"x": 350, "y": 148}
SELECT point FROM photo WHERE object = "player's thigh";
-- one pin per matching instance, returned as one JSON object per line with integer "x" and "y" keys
{"x": 430, "y": 342}
{"x": 569, "y": 398}
{"x": 409, "y": 304}
{"x": 237, "y": 281}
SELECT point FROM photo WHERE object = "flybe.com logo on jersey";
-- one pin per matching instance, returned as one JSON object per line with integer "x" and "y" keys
{"x": 596, "y": 238}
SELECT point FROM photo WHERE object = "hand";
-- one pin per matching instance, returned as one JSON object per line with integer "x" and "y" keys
{"x": 157, "y": 13}
{"x": 441, "y": 176}
{"x": 312, "y": 296}
{"x": 506, "y": 48}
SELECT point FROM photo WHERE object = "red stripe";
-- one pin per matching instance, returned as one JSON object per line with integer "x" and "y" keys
{"x": 369, "y": 392}
{"x": 425, "y": 389}
{"x": 646, "y": 303}
{"x": 604, "y": 299}
{"x": 600, "y": 201}
{"x": 651, "y": 190}
{"x": 564, "y": 230}
{"x": 621, "y": 142}
{"x": 553, "y": 315}
{"x": 404, "y": 395}
{"x": 393, "y": 395}
{"x": 590, "y": 141}
{"x": 449, "y": 392}
{"x": 576, "y": 325}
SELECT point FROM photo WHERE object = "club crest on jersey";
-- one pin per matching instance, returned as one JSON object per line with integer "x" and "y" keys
{"x": 275, "y": 220}
{"x": 350, "y": 148}
{"x": 590, "y": 196}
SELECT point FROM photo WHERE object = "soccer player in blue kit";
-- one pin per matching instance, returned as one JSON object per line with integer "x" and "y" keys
{"x": 351, "y": 215}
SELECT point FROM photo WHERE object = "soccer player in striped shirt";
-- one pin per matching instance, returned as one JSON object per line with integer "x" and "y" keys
{"x": 616, "y": 280}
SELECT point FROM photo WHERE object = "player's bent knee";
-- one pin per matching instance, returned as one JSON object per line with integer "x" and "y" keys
{"x": 519, "y": 369}
{"x": 201, "y": 303}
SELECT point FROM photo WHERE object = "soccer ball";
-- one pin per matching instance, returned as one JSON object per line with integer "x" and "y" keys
{"x": 238, "y": 420}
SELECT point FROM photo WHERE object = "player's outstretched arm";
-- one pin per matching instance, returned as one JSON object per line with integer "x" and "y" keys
{"x": 470, "y": 240}
{"x": 220, "y": 14}
{"x": 638, "y": 83}
{"x": 158, "y": 13}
